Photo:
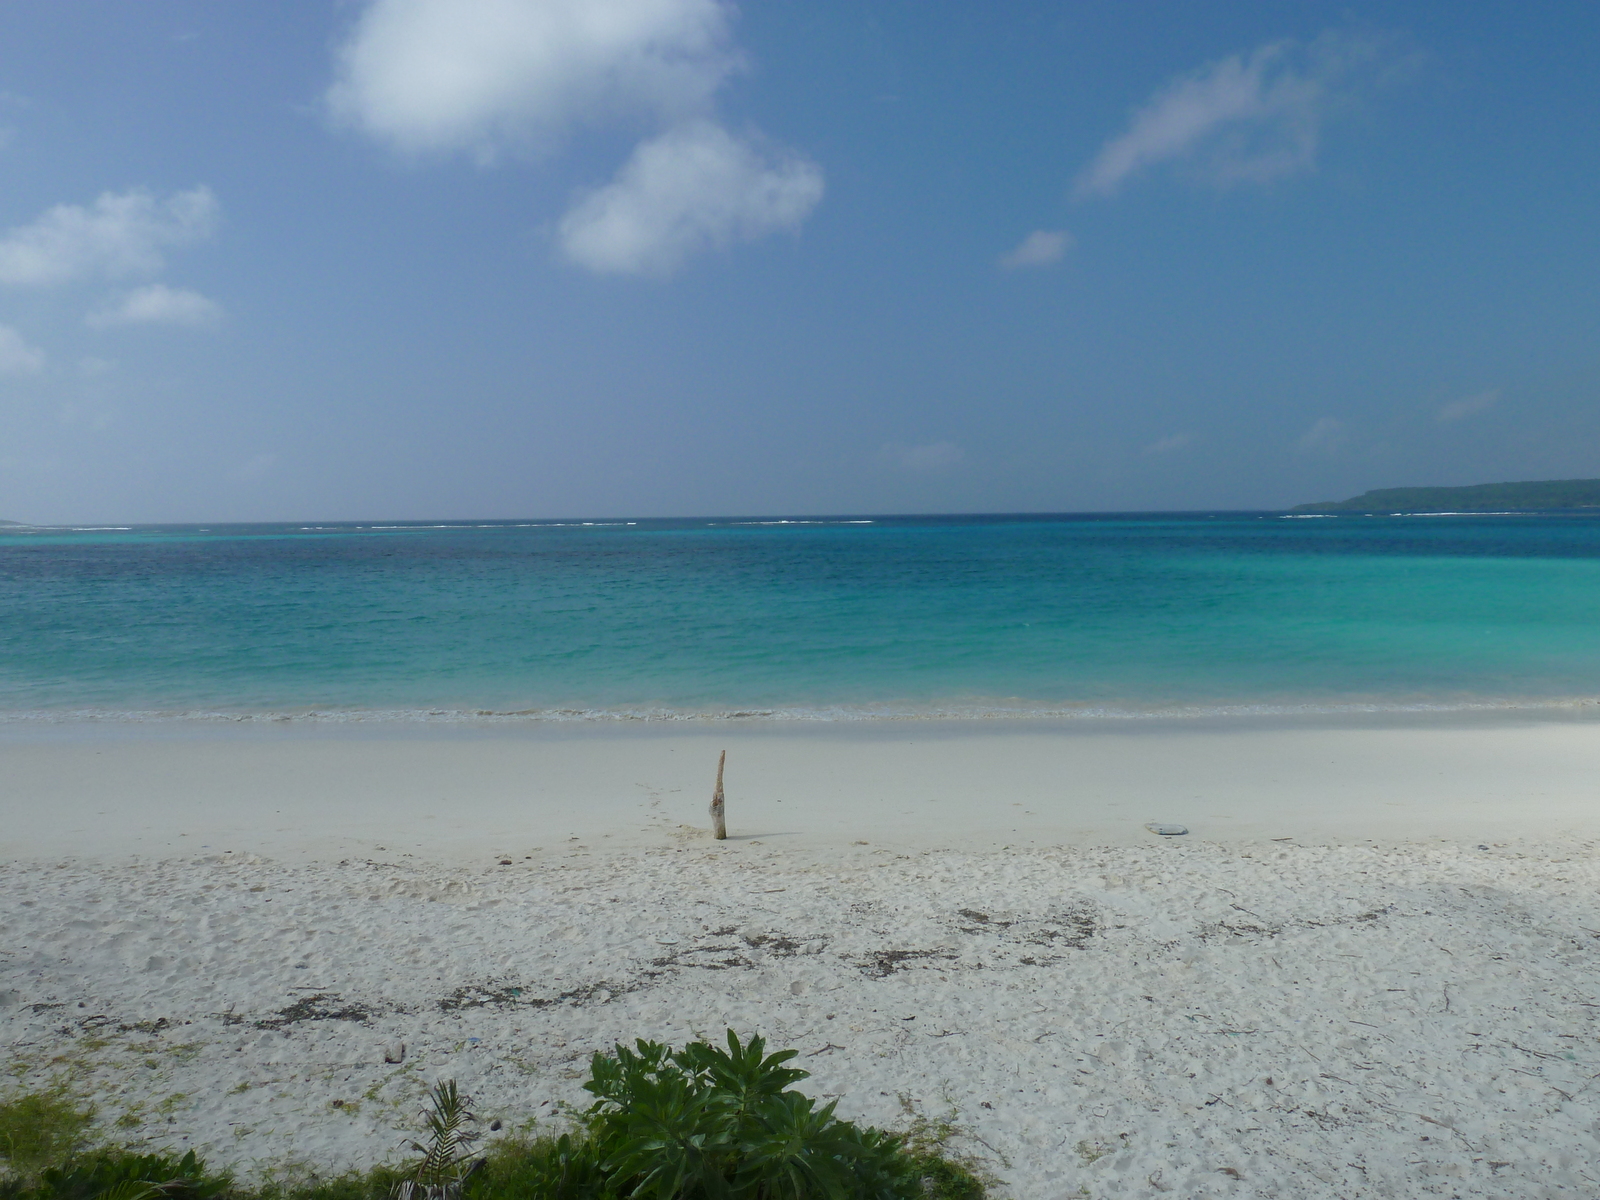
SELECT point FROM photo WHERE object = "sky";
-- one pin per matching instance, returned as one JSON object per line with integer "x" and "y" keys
{"x": 383, "y": 259}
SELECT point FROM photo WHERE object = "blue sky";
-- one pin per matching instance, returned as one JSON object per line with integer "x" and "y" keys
{"x": 544, "y": 258}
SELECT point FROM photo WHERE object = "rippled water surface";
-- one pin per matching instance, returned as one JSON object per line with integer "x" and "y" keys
{"x": 829, "y": 618}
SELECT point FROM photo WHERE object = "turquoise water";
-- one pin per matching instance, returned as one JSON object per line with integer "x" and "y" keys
{"x": 901, "y": 616}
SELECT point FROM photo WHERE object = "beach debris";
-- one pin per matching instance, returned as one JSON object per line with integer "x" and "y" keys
{"x": 483, "y": 995}
{"x": 394, "y": 1052}
{"x": 885, "y": 963}
{"x": 324, "y": 1006}
{"x": 1166, "y": 830}
{"x": 719, "y": 826}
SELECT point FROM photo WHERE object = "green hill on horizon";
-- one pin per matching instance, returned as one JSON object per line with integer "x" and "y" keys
{"x": 1534, "y": 495}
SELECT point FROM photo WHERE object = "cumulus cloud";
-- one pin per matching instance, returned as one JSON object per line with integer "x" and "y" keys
{"x": 120, "y": 234}
{"x": 1246, "y": 119}
{"x": 484, "y": 75}
{"x": 1039, "y": 249}
{"x": 16, "y": 356}
{"x": 1325, "y": 436}
{"x": 491, "y": 76}
{"x": 159, "y": 304}
{"x": 1169, "y": 444}
{"x": 929, "y": 457}
{"x": 695, "y": 187}
{"x": 1458, "y": 410}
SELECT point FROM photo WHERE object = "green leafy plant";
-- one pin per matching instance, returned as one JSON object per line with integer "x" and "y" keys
{"x": 447, "y": 1155}
{"x": 723, "y": 1124}
{"x": 117, "y": 1175}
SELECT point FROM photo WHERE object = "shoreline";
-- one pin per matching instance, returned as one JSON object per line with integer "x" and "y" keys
{"x": 1553, "y": 708}
{"x": 465, "y": 793}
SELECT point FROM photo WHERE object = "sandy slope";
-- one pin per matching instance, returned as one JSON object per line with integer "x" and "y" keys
{"x": 1194, "y": 1018}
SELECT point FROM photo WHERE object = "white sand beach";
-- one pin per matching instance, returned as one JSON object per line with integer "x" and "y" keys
{"x": 1372, "y": 967}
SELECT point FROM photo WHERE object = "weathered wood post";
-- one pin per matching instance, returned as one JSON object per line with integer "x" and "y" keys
{"x": 719, "y": 827}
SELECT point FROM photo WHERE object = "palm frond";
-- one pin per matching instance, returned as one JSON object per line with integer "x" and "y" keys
{"x": 446, "y": 1155}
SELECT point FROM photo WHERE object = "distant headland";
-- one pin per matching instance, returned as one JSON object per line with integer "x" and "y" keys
{"x": 1477, "y": 497}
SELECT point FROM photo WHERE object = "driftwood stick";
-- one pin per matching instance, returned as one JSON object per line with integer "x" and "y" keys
{"x": 719, "y": 827}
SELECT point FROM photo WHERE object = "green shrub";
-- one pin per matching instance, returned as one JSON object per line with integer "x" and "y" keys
{"x": 714, "y": 1123}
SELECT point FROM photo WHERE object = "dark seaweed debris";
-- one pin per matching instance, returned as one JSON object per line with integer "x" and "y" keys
{"x": 480, "y": 996}
{"x": 883, "y": 963}
{"x": 321, "y": 1007}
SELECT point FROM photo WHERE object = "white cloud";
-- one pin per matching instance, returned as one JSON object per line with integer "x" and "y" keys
{"x": 1457, "y": 410}
{"x": 118, "y": 235}
{"x": 1039, "y": 249}
{"x": 1169, "y": 444}
{"x": 484, "y": 75}
{"x": 16, "y": 356}
{"x": 491, "y": 76}
{"x": 1326, "y": 436}
{"x": 929, "y": 457}
{"x": 159, "y": 304}
{"x": 695, "y": 187}
{"x": 1246, "y": 119}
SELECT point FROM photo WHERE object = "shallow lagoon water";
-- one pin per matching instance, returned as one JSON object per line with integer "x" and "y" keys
{"x": 826, "y": 618}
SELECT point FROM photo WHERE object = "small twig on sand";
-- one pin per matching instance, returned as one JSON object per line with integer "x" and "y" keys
{"x": 719, "y": 826}
{"x": 1535, "y": 1053}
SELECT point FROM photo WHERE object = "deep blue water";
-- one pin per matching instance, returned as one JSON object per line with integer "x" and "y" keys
{"x": 897, "y": 615}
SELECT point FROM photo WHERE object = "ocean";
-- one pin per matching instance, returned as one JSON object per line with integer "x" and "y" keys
{"x": 825, "y": 618}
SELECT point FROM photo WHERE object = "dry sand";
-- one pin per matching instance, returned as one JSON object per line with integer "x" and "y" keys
{"x": 219, "y": 932}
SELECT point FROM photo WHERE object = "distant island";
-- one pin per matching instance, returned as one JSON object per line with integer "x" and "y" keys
{"x": 1477, "y": 497}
